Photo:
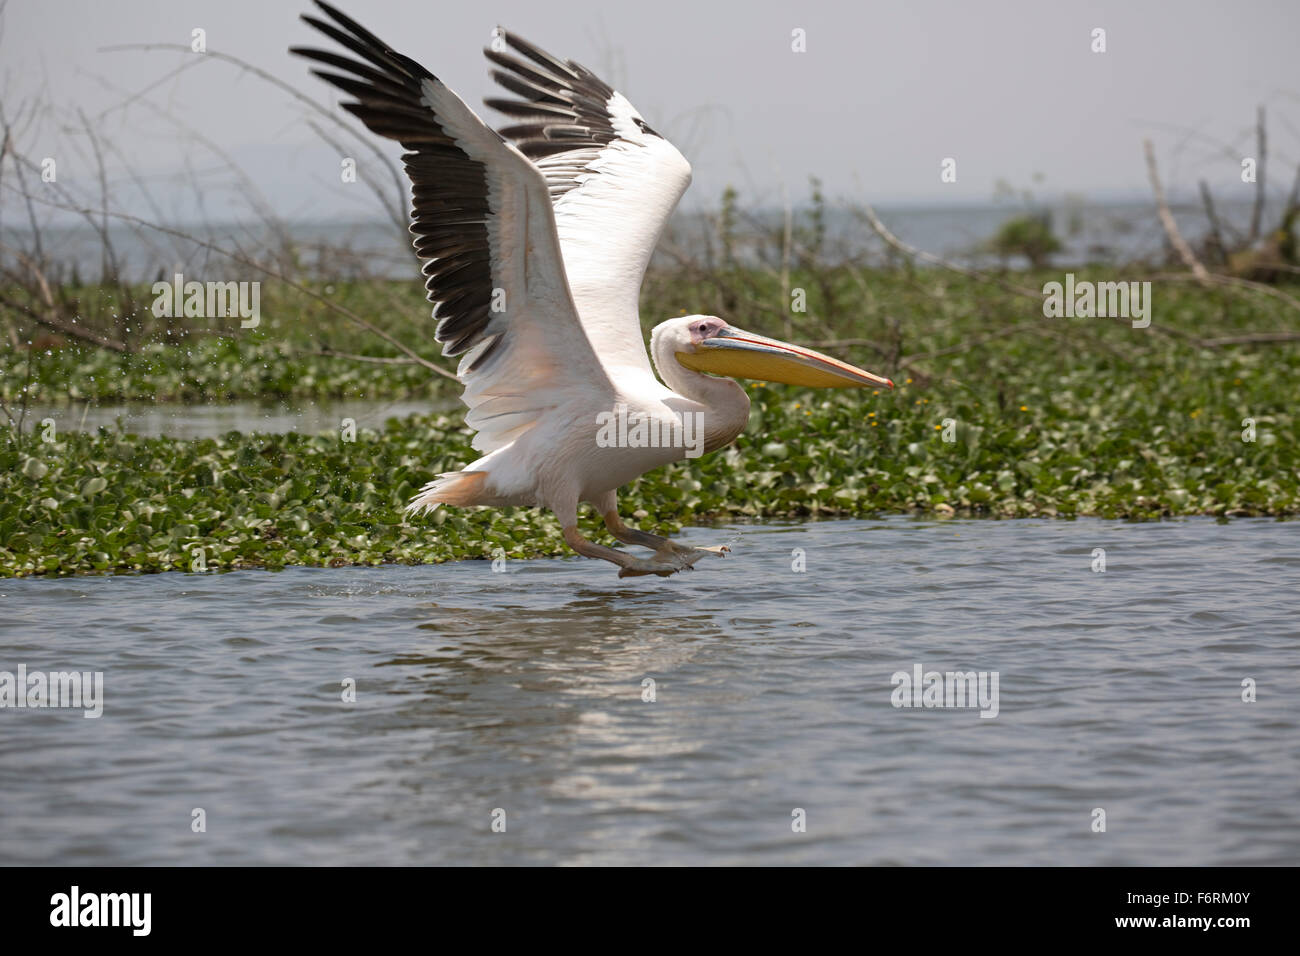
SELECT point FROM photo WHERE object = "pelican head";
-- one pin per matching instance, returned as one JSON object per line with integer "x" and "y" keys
{"x": 705, "y": 343}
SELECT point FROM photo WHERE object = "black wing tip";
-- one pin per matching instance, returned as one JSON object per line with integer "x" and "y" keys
{"x": 339, "y": 17}
{"x": 564, "y": 70}
{"x": 312, "y": 53}
{"x": 316, "y": 22}
{"x": 532, "y": 50}
{"x": 360, "y": 41}
{"x": 451, "y": 206}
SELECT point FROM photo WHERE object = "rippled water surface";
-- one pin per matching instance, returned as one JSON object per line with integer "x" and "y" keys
{"x": 205, "y": 421}
{"x": 522, "y": 692}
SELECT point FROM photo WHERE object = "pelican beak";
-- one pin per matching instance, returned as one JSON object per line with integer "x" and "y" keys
{"x": 740, "y": 354}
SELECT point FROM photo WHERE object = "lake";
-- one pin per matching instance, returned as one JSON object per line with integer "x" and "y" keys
{"x": 519, "y": 697}
{"x": 1102, "y": 232}
{"x": 209, "y": 421}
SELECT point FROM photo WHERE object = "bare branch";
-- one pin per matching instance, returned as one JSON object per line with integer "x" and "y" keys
{"x": 373, "y": 359}
{"x": 395, "y": 207}
{"x": 1235, "y": 281}
{"x": 1216, "y": 230}
{"x": 1261, "y": 145}
{"x": 1255, "y": 338}
{"x": 865, "y": 212}
{"x": 1167, "y": 218}
{"x": 310, "y": 293}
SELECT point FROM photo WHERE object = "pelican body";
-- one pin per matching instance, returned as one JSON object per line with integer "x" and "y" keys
{"x": 535, "y": 241}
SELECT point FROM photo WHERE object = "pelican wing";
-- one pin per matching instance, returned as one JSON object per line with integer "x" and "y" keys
{"x": 483, "y": 226}
{"x": 614, "y": 182}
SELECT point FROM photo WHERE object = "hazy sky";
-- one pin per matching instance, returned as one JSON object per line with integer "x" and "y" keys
{"x": 884, "y": 92}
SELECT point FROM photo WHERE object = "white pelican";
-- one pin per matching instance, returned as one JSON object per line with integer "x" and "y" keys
{"x": 534, "y": 242}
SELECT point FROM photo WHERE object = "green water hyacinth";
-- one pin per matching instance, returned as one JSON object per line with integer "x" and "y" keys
{"x": 1065, "y": 417}
{"x": 118, "y": 502}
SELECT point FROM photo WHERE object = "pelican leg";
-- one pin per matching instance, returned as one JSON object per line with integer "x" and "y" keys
{"x": 663, "y": 547}
{"x": 629, "y": 566}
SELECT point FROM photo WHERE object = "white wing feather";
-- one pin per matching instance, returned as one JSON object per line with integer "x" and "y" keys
{"x": 484, "y": 226}
{"x": 614, "y": 182}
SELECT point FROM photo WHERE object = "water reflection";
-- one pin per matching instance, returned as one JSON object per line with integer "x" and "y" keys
{"x": 524, "y": 691}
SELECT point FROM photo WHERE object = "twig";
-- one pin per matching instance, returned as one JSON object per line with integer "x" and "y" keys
{"x": 847, "y": 343}
{"x": 375, "y": 359}
{"x": 26, "y": 194}
{"x": 1035, "y": 326}
{"x": 787, "y": 240}
{"x": 1255, "y": 338}
{"x": 52, "y": 319}
{"x": 1167, "y": 218}
{"x": 1261, "y": 145}
{"x": 398, "y": 220}
{"x": 869, "y": 214}
{"x": 395, "y": 208}
{"x": 1216, "y": 279}
{"x": 1216, "y": 231}
{"x": 266, "y": 270}
{"x": 27, "y": 385}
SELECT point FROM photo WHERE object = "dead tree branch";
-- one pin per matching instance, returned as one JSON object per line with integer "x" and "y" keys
{"x": 1167, "y": 218}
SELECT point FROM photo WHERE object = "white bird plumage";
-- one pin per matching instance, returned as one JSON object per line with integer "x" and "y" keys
{"x": 535, "y": 241}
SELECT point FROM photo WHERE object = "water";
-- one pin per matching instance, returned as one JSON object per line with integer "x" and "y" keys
{"x": 206, "y": 421}
{"x": 1090, "y": 232}
{"x": 522, "y": 691}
